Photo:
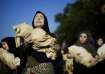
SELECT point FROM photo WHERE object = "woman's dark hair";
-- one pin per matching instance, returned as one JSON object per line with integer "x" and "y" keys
{"x": 89, "y": 36}
{"x": 89, "y": 45}
{"x": 100, "y": 36}
{"x": 10, "y": 42}
{"x": 45, "y": 26}
{"x": 97, "y": 38}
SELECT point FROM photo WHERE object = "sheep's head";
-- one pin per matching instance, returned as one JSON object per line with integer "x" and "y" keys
{"x": 22, "y": 30}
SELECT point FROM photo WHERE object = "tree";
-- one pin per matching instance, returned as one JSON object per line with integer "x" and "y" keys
{"x": 82, "y": 15}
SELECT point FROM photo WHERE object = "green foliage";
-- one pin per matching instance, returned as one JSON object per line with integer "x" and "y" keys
{"x": 82, "y": 15}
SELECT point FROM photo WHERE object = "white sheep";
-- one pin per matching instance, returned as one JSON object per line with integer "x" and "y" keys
{"x": 81, "y": 55}
{"x": 9, "y": 59}
{"x": 38, "y": 37}
{"x": 22, "y": 30}
{"x": 101, "y": 52}
{"x": 41, "y": 39}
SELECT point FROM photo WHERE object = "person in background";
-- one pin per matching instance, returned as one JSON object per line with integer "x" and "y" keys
{"x": 100, "y": 45}
{"x": 9, "y": 60}
{"x": 99, "y": 42}
{"x": 84, "y": 49}
{"x": 67, "y": 58}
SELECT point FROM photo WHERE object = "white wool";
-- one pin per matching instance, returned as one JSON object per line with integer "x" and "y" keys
{"x": 22, "y": 30}
{"x": 81, "y": 55}
{"x": 41, "y": 38}
{"x": 51, "y": 53}
{"x": 38, "y": 37}
{"x": 38, "y": 34}
{"x": 9, "y": 59}
{"x": 101, "y": 51}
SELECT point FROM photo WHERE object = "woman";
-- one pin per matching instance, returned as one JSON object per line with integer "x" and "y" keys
{"x": 44, "y": 47}
{"x": 99, "y": 42}
{"x": 100, "y": 45}
{"x": 85, "y": 54}
{"x": 8, "y": 56}
{"x": 85, "y": 40}
{"x": 67, "y": 59}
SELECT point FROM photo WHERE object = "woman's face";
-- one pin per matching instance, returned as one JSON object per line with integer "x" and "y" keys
{"x": 83, "y": 38}
{"x": 100, "y": 41}
{"x": 39, "y": 20}
{"x": 5, "y": 46}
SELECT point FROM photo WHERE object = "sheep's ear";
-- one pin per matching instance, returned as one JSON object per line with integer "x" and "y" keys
{"x": 16, "y": 29}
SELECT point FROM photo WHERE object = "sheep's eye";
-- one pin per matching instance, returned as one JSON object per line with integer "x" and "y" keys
{"x": 17, "y": 30}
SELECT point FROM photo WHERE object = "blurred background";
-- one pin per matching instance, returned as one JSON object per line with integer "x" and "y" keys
{"x": 13, "y": 12}
{"x": 66, "y": 17}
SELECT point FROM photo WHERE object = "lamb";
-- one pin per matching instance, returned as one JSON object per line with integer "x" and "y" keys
{"x": 44, "y": 42}
{"x": 22, "y": 30}
{"x": 9, "y": 59}
{"x": 101, "y": 52}
{"x": 40, "y": 39}
{"x": 81, "y": 55}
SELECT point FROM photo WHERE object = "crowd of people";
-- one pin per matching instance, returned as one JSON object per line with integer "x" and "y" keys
{"x": 35, "y": 50}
